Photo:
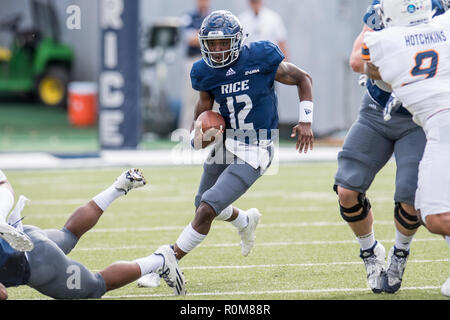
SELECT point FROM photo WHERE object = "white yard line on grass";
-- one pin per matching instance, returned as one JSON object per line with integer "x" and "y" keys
{"x": 228, "y": 226}
{"x": 187, "y": 197}
{"x": 296, "y": 265}
{"x": 265, "y": 244}
{"x": 330, "y": 290}
{"x": 299, "y": 265}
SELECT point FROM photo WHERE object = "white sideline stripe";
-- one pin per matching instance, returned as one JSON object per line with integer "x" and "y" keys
{"x": 330, "y": 290}
{"x": 188, "y": 198}
{"x": 184, "y": 211}
{"x": 176, "y": 156}
{"x": 265, "y": 244}
{"x": 298, "y": 265}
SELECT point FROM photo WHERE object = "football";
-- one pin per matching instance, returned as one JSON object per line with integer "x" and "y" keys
{"x": 211, "y": 119}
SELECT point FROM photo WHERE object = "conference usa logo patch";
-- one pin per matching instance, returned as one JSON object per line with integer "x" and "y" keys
{"x": 251, "y": 71}
{"x": 411, "y": 8}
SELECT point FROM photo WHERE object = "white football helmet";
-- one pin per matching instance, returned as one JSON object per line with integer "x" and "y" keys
{"x": 398, "y": 13}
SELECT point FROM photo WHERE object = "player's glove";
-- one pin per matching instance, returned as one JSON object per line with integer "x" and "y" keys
{"x": 391, "y": 106}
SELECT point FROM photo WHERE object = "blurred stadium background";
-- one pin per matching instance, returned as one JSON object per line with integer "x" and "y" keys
{"x": 152, "y": 84}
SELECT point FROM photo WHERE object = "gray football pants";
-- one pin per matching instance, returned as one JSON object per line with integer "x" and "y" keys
{"x": 53, "y": 273}
{"x": 371, "y": 142}
{"x": 223, "y": 183}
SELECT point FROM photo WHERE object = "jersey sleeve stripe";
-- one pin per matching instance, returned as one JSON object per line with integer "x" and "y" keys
{"x": 365, "y": 53}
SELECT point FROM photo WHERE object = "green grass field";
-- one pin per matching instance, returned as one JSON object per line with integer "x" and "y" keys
{"x": 303, "y": 248}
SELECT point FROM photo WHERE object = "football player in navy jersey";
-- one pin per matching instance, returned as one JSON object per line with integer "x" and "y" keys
{"x": 241, "y": 80}
{"x": 368, "y": 146}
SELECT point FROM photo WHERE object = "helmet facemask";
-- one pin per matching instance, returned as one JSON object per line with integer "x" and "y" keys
{"x": 228, "y": 56}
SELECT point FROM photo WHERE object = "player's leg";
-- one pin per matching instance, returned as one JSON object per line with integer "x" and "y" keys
{"x": 54, "y": 274}
{"x": 445, "y": 289}
{"x": 439, "y": 223}
{"x": 239, "y": 218}
{"x": 433, "y": 197}
{"x": 86, "y": 217}
{"x": 244, "y": 221}
{"x": 121, "y": 273}
{"x": 162, "y": 262}
{"x": 364, "y": 153}
{"x": 408, "y": 152}
{"x": 232, "y": 184}
{"x": 204, "y": 215}
{"x": 211, "y": 172}
{"x": 229, "y": 186}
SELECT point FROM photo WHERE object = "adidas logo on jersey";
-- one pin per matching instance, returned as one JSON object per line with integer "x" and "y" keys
{"x": 230, "y": 72}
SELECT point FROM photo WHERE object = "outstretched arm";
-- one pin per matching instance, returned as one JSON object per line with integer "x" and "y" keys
{"x": 290, "y": 74}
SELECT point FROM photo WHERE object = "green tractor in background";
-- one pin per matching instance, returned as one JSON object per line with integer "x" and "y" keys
{"x": 36, "y": 63}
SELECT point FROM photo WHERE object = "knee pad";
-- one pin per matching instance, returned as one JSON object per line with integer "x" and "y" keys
{"x": 400, "y": 214}
{"x": 363, "y": 202}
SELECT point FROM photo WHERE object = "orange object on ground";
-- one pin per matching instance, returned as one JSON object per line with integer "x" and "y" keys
{"x": 82, "y": 104}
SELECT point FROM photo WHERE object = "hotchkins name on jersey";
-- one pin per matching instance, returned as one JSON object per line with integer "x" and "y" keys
{"x": 425, "y": 38}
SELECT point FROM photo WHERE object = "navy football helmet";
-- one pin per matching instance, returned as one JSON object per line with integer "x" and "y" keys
{"x": 220, "y": 25}
{"x": 440, "y": 6}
